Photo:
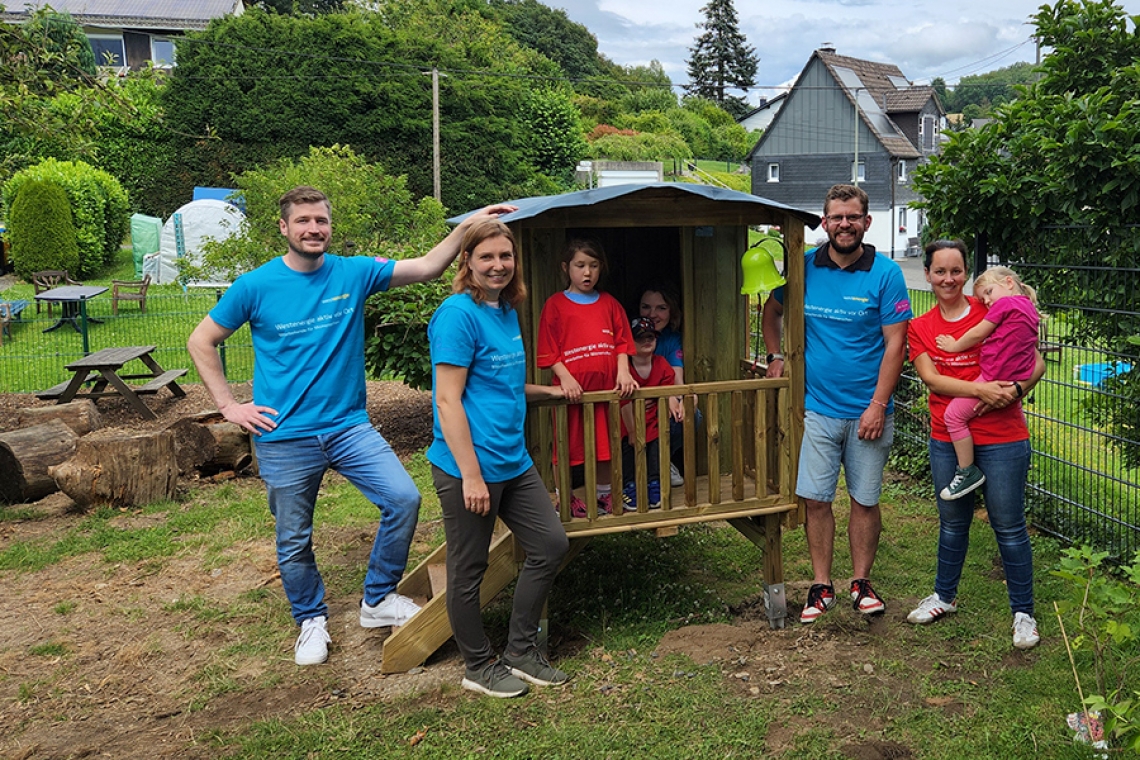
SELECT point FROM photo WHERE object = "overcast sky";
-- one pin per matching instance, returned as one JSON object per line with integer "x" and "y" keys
{"x": 924, "y": 38}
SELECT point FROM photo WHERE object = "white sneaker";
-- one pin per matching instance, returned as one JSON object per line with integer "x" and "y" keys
{"x": 1024, "y": 631}
{"x": 394, "y": 609}
{"x": 675, "y": 478}
{"x": 312, "y": 647}
{"x": 930, "y": 609}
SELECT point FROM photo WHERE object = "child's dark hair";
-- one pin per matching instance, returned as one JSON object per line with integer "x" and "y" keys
{"x": 588, "y": 246}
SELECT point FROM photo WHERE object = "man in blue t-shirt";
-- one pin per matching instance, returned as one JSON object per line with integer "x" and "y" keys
{"x": 856, "y": 310}
{"x": 305, "y": 310}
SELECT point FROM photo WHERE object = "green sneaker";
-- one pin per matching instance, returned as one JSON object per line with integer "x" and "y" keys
{"x": 966, "y": 479}
{"x": 532, "y": 666}
{"x": 495, "y": 680}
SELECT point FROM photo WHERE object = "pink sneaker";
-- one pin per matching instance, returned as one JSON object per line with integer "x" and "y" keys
{"x": 577, "y": 507}
{"x": 605, "y": 503}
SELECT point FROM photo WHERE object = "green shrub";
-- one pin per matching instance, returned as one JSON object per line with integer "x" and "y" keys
{"x": 100, "y": 209}
{"x": 40, "y": 230}
{"x": 373, "y": 213}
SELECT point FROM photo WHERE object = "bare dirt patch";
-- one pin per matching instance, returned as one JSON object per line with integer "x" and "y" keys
{"x": 126, "y": 661}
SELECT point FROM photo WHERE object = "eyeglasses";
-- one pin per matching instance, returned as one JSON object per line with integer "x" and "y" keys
{"x": 851, "y": 218}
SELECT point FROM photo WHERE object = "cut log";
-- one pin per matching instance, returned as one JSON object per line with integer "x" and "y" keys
{"x": 26, "y": 455}
{"x": 193, "y": 444}
{"x": 209, "y": 443}
{"x": 231, "y": 447}
{"x": 124, "y": 472}
{"x": 81, "y": 416}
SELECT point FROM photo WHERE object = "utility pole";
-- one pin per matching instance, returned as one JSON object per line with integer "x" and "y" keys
{"x": 855, "y": 165}
{"x": 435, "y": 182}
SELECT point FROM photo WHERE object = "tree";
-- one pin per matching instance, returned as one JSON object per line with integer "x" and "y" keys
{"x": 299, "y": 7}
{"x": 551, "y": 32}
{"x": 1053, "y": 184}
{"x": 722, "y": 59}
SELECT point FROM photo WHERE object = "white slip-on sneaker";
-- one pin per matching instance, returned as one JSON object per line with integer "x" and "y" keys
{"x": 394, "y": 609}
{"x": 312, "y": 647}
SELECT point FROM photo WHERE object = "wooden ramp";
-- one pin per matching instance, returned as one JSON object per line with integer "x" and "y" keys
{"x": 415, "y": 641}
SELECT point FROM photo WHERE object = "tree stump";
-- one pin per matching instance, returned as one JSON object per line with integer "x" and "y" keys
{"x": 209, "y": 443}
{"x": 123, "y": 472}
{"x": 26, "y": 456}
{"x": 81, "y": 416}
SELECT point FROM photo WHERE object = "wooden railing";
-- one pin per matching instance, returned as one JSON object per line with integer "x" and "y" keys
{"x": 740, "y": 452}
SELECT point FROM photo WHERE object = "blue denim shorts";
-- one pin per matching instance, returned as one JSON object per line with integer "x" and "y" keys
{"x": 829, "y": 442}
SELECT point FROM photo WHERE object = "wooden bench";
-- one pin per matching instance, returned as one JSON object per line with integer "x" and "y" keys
{"x": 166, "y": 378}
{"x": 10, "y": 312}
{"x": 102, "y": 368}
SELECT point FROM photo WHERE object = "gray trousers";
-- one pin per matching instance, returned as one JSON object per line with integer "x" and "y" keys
{"x": 524, "y": 506}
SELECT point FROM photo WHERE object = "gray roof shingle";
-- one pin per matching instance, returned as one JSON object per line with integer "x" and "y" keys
{"x": 137, "y": 14}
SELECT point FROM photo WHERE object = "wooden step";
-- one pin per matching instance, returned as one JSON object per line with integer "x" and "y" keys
{"x": 415, "y": 641}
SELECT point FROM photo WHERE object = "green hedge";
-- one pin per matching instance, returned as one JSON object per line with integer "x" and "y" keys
{"x": 100, "y": 208}
{"x": 40, "y": 230}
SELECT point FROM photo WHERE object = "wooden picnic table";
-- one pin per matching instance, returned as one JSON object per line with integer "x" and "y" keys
{"x": 105, "y": 364}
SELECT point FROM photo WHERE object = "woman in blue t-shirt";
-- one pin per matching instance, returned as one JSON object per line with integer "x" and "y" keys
{"x": 480, "y": 463}
{"x": 659, "y": 303}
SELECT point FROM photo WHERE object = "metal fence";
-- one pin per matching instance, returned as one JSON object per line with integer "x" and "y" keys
{"x": 1081, "y": 487}
{"x": 32, "y": 360}
{"x": 1084, "y": 485}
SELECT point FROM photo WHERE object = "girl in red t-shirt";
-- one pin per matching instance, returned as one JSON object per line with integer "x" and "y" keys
{"x": 584, "y": 338}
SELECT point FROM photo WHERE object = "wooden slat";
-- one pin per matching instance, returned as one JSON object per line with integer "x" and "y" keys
{"x": 590, "y": 429}
{"x": 562, "y": 428}
{"x": 690, "y": 434}
{"x": 762, "y": 442}
{"x": 617, "y": 477}
{"x": 664, "y": 442}
{"x": 737, "y": 445}
{"x": 712, "y": 435}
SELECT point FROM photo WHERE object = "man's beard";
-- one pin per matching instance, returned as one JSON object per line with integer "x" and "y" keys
{"x": 846, "y": 250}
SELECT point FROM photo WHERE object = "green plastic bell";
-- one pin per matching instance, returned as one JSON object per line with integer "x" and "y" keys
{"x": 759, "y": 265}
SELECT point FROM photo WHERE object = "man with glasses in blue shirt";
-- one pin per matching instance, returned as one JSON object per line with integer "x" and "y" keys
{"x": 856, "y": 310}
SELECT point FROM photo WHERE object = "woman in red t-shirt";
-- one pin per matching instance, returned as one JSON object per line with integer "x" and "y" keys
{"x": 1001, "y": 440}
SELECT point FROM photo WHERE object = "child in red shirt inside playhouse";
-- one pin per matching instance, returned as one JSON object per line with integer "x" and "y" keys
{"x": 649, "y": 371}
{"x": 583, "y": 337}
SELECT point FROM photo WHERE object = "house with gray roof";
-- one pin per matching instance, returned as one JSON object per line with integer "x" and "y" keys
{"x": 854, "y": 121}
{"x": 129, "y": 33}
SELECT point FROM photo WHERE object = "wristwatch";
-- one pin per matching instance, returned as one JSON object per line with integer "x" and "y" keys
{"x": 1017, "y": 387}
{"x": 773, "y": 357}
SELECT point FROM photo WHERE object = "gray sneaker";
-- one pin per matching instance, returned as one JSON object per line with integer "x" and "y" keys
{"x": 495, "y": 680}
{"x": 532, "y": 666}
{"x": 966, "y": 479}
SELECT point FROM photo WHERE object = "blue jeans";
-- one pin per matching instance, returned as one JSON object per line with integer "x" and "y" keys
{"x": 1006, "y": 467}
{"x": 292, "y": 471}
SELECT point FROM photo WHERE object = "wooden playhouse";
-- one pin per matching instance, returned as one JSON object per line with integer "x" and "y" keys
{"x": 745, "y": 451}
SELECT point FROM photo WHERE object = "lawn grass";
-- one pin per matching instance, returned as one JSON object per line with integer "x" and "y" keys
{"x": 32, "y": 360}
{"x": 952, "y": 690}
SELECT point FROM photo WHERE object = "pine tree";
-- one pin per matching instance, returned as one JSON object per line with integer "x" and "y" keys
{"x": 722, "y": 58}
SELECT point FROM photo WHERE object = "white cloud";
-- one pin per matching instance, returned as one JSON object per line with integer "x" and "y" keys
{"x": 924, "y": 38}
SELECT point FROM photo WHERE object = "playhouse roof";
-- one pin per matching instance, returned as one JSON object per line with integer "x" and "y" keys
{"x": 662, "y": 204}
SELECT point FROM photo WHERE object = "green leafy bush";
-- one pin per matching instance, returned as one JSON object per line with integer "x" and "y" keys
{"x": 100, "y": 209}
{"x": 40, "y": 230}
{"x": 1101, "y": 617}
{"x": 640, "y": 147}
{"x": 374, "y": 214}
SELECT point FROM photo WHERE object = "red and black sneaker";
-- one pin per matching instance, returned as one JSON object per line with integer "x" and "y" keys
{"x": 865, "y": 599}
{"x": 820, "y": 599}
